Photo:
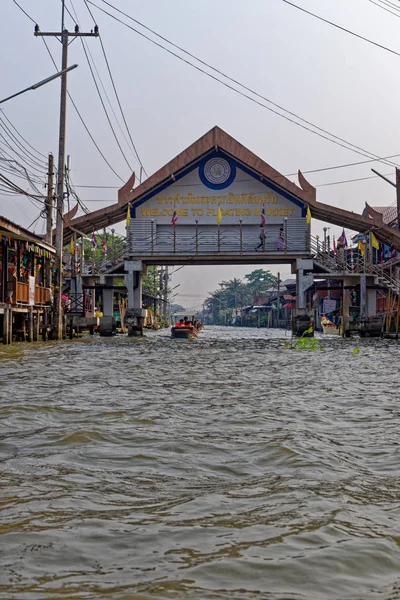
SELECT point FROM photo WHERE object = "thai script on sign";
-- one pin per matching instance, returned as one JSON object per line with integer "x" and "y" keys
{"x": 213, "y": 211}
{"x": 231, "y": 198}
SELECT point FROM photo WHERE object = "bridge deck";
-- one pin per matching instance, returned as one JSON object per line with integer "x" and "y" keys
{"x": 222, "y": 258}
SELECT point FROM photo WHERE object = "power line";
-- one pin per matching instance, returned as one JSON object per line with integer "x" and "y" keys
{"x": 34, "y": 160}
{"x": 389, "y": 4}
{"x": 349, "y": 180}
{"x": 357, "y": 35}
{"x": 22, "y": 137}
{"x": 100, "y": 79}
{"x": 116, "y": 95}
{"x": 25, "y": 13}
{"x": 101, "y": 100}
{"x": 82, "y": 120}
{"x": 73, "y": 103}
{"x": 362, "y": 151}
{"x": 383, "y": 8}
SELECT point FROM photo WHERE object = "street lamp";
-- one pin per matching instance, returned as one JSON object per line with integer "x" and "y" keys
{"x": 38, "y": 85}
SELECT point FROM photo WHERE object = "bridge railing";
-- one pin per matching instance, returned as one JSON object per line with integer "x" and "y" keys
{"x": 147, "y": 238}
{"x": 353, "y": 262}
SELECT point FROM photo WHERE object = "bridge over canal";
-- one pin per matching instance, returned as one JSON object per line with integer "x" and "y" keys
{"x": 218, "y": 203}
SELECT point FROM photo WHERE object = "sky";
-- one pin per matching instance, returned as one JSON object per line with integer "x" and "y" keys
{"x": 332, "y": 79}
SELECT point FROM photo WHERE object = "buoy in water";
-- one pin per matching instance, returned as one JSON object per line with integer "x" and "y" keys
{"x": 356, "y": 351}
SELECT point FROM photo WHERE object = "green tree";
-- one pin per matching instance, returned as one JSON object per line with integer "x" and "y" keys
{"x": 236, "y": 291}
{"x": 259, "y": 281}
{"x": 115, "y": 249}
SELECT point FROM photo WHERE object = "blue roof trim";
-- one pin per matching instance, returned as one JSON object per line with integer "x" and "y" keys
{"x": 199, "y": 163}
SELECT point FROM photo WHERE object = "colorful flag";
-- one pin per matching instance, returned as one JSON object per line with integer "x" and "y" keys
{"x": 308, "y": 216}
{"x": 174, "y": 218}
{"x": 219, "y": 215}
{"x": 263, "y": 216}
{"x": 361, "y": 248}
{"x": 334, "y": 245}
{"x": 374, "y": 241}
{"x": 342, "y": 239}
{"x": 72, "y": 246}
{"x": 105, "y": 245}
{"x": 128, "y": 215}
{"x": 94, "y": 240}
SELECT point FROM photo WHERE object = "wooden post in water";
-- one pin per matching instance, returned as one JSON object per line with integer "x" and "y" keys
{"x": 5, "y": 325}
{"x": 37, "y": 328}
{"x": 397, "y": 315}
{"x": 30, "y": 324}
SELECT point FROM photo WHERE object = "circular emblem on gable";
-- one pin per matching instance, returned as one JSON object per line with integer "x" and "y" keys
{"x": 217, "y": 170}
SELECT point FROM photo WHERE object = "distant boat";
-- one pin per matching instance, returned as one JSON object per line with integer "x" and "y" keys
{"x": 184, "y": 332}
{"x": 328, "y": 327}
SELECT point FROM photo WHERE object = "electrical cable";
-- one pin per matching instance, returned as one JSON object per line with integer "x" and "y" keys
{"x": 20, "y": 156}
{"x": 362, "y": 151}
{"x": 21, "y": 136}
{"x": 383, "y": 8}
{"x": 102, "y": 101}
{"x": 361, "y": 37}
{"x": 116, "y": 94}
{"x": 76, "y": 21}
{"x": 73, "y": 103}
{"x": 38, "y": 161}
{"x": 82, "y": 120}
{"x": 39, "y": 167}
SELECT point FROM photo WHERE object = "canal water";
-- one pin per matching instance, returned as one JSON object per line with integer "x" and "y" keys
{"x": 228, "y": 467}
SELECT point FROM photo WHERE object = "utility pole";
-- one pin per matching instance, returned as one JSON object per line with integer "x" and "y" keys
{"x": 64, "y": 35}
{"x": 49, "y": 203}
{"x": 398, "y": 196}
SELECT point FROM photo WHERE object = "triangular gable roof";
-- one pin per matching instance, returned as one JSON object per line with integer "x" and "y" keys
{"x": 215, "y": 139}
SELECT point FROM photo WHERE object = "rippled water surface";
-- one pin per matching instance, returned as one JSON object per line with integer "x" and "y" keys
{"x": 226, "y": 467}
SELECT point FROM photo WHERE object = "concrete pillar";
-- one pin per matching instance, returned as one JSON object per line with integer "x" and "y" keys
{"x": 135, "y": 314}
{"x": 304, "y": 280}
{"x": 108, "y": 323}
{"x": 371, "y": 298}
{"x": 363, "y": 298}
{"x": 346, "y": 317}
{"x": 108, "y": 303}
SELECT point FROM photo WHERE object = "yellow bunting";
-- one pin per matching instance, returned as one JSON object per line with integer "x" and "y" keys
{"x": 308, "y": 216}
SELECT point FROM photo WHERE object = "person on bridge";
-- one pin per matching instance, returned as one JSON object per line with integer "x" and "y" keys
{"x": 281, "y": 240}
{"x": 262, "y": 237}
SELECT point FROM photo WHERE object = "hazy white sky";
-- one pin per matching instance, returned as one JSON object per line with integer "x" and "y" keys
{"x": 334, "y": 80}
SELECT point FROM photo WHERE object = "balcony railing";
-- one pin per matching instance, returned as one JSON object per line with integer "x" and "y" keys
{"x": 21, "y": 293}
